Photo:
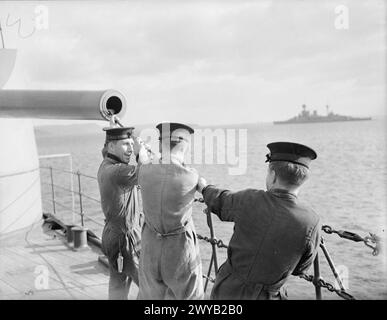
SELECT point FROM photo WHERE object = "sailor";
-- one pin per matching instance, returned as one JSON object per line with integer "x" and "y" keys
{"x": 170, "y": 265}
{"x": 275, "y": 236}
{"x": 117, "y": 180}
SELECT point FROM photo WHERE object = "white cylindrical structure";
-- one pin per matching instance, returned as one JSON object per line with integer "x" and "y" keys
{"x": 20, "y": 195}
{"x": 61, "y": 104}
{"x": 7, "y": 63}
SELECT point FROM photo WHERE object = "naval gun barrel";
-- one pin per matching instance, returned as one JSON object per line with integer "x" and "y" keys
{"x": 55, "y": 104}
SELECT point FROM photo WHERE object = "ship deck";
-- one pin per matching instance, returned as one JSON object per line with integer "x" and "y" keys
{"x": 40, "y": 265}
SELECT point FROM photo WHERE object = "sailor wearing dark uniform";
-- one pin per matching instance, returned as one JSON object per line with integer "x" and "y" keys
{"x": 275, "y": 235}
{"x": 170, "y": 265}
{"x": 117, "y": 180}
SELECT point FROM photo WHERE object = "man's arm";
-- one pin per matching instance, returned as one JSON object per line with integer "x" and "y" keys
{"x": 224, "y": 203}
{"x": 310, "y": 253}
{"x": 143, "y": 155}
{"x": 127, "y": 175}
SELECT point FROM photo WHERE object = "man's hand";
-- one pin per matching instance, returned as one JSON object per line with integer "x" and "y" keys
{"x": 138, "y": 144}
{"x": 140, "y": 150}
{"x": 202, "y": 183}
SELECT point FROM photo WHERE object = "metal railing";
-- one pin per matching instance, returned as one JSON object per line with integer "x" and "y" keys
{"x": 61, "y": 155}
{"x": 81, "y": 195}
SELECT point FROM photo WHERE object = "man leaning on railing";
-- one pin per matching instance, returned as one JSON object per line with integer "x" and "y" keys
{"x": 274, "y": 234}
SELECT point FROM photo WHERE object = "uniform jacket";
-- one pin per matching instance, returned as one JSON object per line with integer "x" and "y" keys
{"x": 120, "y": 204}
{"x": 170, "y": 251}
{"x": 274, "y": 237}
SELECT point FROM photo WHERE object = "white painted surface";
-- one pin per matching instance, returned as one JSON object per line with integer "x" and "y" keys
{"x": 7, "y": 62}
{"x": 20, "y": 195}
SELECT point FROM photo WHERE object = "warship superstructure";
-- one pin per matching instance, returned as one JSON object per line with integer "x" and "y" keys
{"x": 305, "y": 116}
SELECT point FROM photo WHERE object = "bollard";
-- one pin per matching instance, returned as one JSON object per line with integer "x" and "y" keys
{"x": 69, "y": 234}
{"x": 80, "y": 238}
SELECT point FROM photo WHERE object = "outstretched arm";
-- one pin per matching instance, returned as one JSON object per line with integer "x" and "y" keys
{"x": 310, "y": 252}
{"x": 224, "y": 203}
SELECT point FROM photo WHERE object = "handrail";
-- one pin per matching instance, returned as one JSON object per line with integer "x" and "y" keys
{"x": 72, "y": 191}
{"x": 79, "y": 192}
{"x": 51, "y": 156}
{"x": 59, "y": 187}
{"x": 89, "y": 197}
{"x": 68, "y": 171}
{"x": 63, "y": 206}
{"x": 76, "y": 212}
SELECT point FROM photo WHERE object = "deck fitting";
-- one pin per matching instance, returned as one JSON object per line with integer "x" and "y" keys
{"x": 80, "y": 238}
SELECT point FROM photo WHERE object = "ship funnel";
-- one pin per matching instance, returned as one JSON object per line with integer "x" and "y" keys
{"x": 54, "y": 104}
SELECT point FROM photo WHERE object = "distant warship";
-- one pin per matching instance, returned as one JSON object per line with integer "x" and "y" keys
{"x": 306, "y": 117}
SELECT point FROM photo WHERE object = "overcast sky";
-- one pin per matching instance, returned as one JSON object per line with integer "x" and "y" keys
{"x": 206, "y": 62}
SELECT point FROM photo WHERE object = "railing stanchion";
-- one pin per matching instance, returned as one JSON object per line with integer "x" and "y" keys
{"x": 316, "y": 267}
{"x": 72, "y": 189}
{"x": 209, "y": 272}
{"x": 80, "y": 197}
{"x": 212, "y": 234}
{"x": 332, "y": 265}
{"x": 52, "y": 191}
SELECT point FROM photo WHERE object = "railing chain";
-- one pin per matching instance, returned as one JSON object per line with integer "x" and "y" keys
{"x": 330, "y": 287}
{"x": 372, "y": 241}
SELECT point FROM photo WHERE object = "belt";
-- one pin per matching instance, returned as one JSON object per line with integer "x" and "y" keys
{"x": 174, "y": 232}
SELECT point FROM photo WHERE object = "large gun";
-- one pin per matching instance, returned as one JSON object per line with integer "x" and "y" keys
{"x": 54, "y": 104}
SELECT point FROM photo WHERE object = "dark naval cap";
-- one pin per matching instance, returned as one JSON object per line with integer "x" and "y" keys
{"x": 118, "y": 133}
{"x": 167, "y": 129}
{"x": 291, "y": 152}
